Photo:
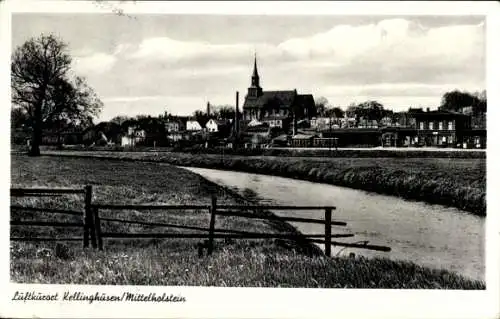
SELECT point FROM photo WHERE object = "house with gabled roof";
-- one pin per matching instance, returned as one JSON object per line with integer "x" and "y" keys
{"x": 193, "y": 125}
{"x": 214, "y": 125}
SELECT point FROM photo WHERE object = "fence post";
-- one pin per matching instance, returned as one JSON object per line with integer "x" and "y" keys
{"x": 213, "y": 211}
{"x": 97, "y": 228}
{"x": 328, "y": 232}
{"x": 93, "y": 235}
{"x": 87, "y": 219}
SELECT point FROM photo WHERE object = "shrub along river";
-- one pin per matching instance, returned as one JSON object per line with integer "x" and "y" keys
{"x": 429, "y": 235}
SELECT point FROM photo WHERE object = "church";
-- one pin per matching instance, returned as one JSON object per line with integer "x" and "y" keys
{"x": 276, "y": 108}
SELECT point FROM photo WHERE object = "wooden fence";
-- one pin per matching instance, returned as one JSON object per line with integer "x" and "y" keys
{"x": 86, "y": 214}
{"x": 93, "y": 233}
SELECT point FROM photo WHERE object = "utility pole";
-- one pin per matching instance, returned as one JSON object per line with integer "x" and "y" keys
{"x": 236, "y": 125}
{"x": 330, "y": 138}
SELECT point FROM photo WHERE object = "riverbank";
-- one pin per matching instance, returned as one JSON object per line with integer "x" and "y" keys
{"x": 243, "y": 263}
{"x": 373, "y": 152}
{"x": 414, "y": 230}
{"x": 459, "y": 183}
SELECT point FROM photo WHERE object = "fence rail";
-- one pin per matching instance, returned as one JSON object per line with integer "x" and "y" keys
{"x": 93, "y": 235}
{"x": 41, "y": 239}
{"x": 47, "y": 210}
{"x": 38, "y": 223}
{"x": 86, "y": 223}
{"x": 280, "y": 218}
{"x": 44, "y": 191}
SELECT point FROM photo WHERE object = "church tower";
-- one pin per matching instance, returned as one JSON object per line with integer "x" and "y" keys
{"x": 254, "y": 91}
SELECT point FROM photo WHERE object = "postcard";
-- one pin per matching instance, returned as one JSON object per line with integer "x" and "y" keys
{"x": 250, "y": 159}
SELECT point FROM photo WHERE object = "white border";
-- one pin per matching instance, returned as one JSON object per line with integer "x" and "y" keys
{"x": 268, "y": 302}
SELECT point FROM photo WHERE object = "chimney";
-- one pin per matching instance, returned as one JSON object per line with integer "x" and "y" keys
{"x": 237, "y": 114}
{"x": 428, "y": 109}
{"x": 208, "y": 108}
{"x": 294, "y": 125}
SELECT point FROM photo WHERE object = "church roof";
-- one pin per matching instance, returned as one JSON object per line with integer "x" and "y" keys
{"x": 286, "y": 99}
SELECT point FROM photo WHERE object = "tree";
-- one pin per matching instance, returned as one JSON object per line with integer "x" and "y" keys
{"x": 334, "y": 112}
{"x": 44, "y": 88}
{"x": 352, "y": 110}
{"x": 455, "y": 100}
{"x": 369, "y": 110}
{"x": 480, "y": 102}
{"x": 201, "y": 117}
{"x": 226, "y": 112}
{"x": 72, "y": 102}
{"x": 119, "y": 119}
{"x": 321, "y": 105}
{"x": 166, "y": 116}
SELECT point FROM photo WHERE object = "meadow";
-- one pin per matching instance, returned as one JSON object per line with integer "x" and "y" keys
{"x": 456, "y": 182}
{"x": 248, "y": 263}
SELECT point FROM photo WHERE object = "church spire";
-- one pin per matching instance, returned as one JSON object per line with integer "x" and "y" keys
{"x": 255, "y": 75}
{"x": 255, "y": 90}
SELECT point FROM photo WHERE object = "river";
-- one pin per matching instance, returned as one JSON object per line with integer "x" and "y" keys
{"x": 429, "y": 235}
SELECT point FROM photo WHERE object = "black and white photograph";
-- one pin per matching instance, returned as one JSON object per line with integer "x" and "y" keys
{"x": 327, "y": 152}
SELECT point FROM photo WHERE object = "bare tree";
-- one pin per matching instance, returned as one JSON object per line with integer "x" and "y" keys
{"x": 42, "y": 86}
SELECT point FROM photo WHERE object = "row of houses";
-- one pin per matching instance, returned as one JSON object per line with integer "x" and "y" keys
{"x": 174, "y": 130}
{"x": 418, "y": 128}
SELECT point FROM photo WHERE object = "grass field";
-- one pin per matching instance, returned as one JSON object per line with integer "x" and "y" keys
{"x": 261, "y": 263}
{"x": 454, "y": 182}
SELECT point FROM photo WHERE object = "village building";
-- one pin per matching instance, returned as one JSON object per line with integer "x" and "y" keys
{"x": 280, "y": 140}
{"x": 438, "y": 128}
{"x": 103, "y": 133}
{"x": 367, "y": 123}
{"x": 193, "y": 125}
{"x": 348, "y": 137}
{"x": 441, "y": 128}
{"x": 174, "y": 125}
{"x": 398, "y": 136}
{"x": 214, "y": 125}
{"x": 475, "y": 137}
{"x": 277, "y": 108}
{"x": 302, "y": 140}
{"x": 327, "y": 123}
{"x": 135, "y": 136}
{"x": 321, "y": 123}
{"x": 61, "y": 138}
{"x": 388, "y": 121}
{"x": 405, "y": 119}
{"x": 253, "y": 123}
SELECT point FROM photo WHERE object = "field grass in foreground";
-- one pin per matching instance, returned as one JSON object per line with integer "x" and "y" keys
{"x": 459, "y": 183}
{"x": 261, "y": 263}
{"x": 232, "y": 266}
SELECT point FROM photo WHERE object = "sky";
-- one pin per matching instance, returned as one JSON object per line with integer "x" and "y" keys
{"x": 149, "y": 64}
